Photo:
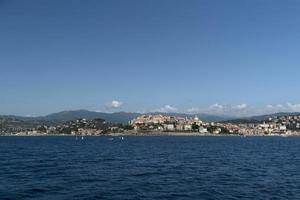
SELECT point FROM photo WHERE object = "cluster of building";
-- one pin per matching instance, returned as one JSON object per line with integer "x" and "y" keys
{"x": 168, "y": 123}
{"x": 15, "y": 125}
{"x": 284, "y": 125}
{"x": 74, "y": 127}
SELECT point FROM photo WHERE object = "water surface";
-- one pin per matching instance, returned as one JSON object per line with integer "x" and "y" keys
{"x": 149, "y": 168}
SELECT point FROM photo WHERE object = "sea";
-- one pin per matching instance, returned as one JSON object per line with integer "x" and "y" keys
{"x": 144, "y": 167}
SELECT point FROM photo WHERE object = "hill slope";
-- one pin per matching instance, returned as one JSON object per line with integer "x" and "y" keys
{"x": 120, "y": 117}
{"x": 124, "y": 117}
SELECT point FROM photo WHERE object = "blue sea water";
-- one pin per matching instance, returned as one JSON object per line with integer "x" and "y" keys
{"x": 150, "y": 168}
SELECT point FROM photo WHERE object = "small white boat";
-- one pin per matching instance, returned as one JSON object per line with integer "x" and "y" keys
{"x": 82, "y": 138}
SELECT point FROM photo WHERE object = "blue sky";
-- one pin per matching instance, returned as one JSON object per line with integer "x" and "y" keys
{"x": 222, "y": 57}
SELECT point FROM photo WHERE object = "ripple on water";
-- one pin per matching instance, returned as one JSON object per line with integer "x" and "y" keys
{"x": 150, "y": 168}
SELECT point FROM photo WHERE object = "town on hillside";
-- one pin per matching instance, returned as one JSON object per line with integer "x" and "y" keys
{"x": 284, "y": 125}
{"x": 155, "y": 125}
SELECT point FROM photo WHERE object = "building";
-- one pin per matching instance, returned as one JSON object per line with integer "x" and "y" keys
{"x": 202, "y": 129}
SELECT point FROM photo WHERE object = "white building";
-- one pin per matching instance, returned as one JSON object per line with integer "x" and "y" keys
{"x": 202, "y": 129}
{"x": 169, "y": 127}
{"x": 282, "y": 127}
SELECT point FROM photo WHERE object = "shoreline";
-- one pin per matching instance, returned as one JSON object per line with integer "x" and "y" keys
{"x": 154, "y": 134}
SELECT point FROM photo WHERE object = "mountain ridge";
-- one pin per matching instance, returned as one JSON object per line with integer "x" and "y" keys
{"x": 116, "y": 117}
{"x": 125, "y": 117}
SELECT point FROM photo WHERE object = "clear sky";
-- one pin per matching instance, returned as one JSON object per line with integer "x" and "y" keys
{"x": 225, "y": 57}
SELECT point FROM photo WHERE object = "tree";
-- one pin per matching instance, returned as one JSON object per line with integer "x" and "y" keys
{"x": 195, "y": 127}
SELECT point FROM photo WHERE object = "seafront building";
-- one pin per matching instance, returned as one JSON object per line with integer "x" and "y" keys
{"x": 282, "y": 125}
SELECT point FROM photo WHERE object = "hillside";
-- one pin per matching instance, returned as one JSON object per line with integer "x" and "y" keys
{"x": 259, "y": 118}
{"x": 117, "y": 117}
{"x": 120, "y": 117}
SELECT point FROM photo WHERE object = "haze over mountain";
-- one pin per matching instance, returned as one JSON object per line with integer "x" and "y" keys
{"x": 125, "y": 117}
{"x": 117, "y": 117}
{"x": 120, "y": 117}
{"x": 267, "y": 116}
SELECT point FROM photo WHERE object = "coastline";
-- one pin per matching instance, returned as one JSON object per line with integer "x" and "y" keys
{"x": 154, "y": 134}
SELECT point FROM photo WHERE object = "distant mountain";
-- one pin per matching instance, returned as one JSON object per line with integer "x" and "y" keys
{"x": 120, "y": 117}
{"x": 117, "y": 117}
{"x": 265, "y": 117}
{"x": 259, "y": 118}
{"x": 125, "y": 117}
